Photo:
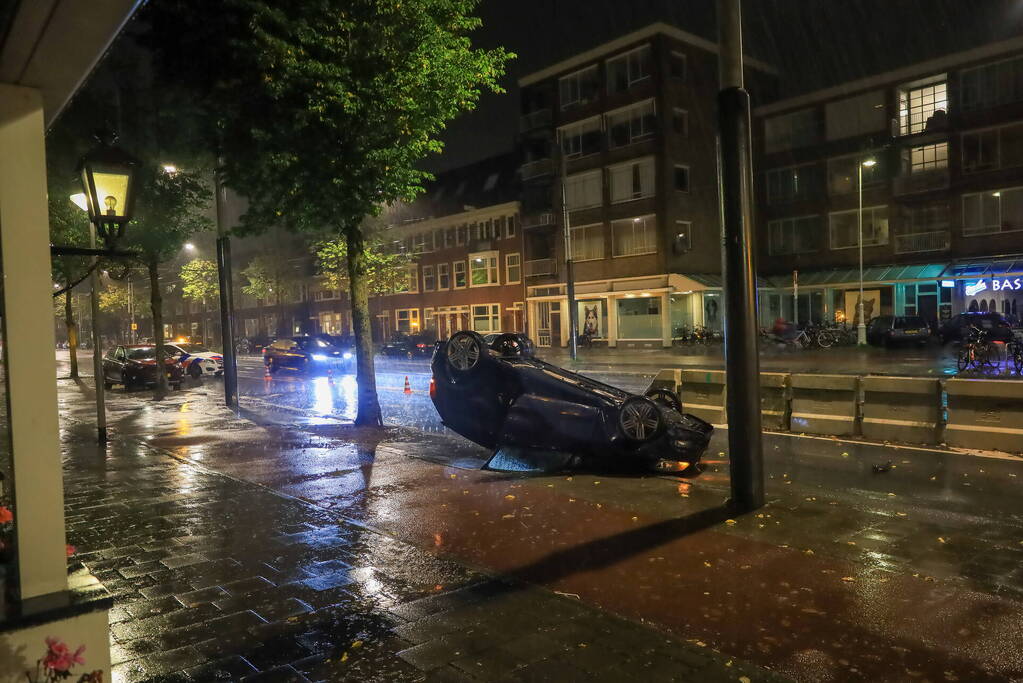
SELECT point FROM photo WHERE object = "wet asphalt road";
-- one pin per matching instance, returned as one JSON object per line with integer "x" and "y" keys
{"x": 913, "y": 574}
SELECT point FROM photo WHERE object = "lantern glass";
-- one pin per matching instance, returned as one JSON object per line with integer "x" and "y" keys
{"x": 112, "y": 193}
{"x": 108, "y": 176}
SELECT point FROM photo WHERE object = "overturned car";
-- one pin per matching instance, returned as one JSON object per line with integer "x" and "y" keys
{"x": 502, "y": 397}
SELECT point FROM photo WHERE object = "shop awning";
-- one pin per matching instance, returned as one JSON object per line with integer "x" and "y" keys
{"x": 981, "y": 268}
{"x": 871, "y": 274}
{"x": 700, "y": 281}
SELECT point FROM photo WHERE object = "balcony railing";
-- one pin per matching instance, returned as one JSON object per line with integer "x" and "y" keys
{"x": 538, "y": 220}
{"x": 535, "y": 169}
{"x": 543, "y": 266}
{"x": 536, "y": 119}
{"x": 926, "y": 181}
{"x": 937, "y": 240}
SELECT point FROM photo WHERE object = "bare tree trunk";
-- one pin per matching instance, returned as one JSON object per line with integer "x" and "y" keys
{"x": 156, "y": 303}
{"x": 72, "y": 333}
{"x": 365, "y": 372}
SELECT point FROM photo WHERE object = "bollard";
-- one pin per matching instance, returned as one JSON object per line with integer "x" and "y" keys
{"x": 985, "y": 414}
{"x": 775, "y": 409}
{"x": 703, "y": 394}
{"x": 824, "y": 404}
{"x": 902, "y": 409}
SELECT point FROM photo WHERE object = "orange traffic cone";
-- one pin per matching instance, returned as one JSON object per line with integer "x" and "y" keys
{"x": 266, "y": 373}
{"x": 408, "y": 387}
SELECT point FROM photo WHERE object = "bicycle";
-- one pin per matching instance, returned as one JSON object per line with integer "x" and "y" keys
{"x": 974, "y": 351}
{"x": 1014, "y": 351}
{"x": 814, "y": 336}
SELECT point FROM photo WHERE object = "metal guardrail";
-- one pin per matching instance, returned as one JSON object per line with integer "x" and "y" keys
{"x": 925, "y": 181}
{"x": 543, "y": 266}
{"x": 535, "y": 169}
{"x": 537, "y": 220}
{"x": 938, "y": 240}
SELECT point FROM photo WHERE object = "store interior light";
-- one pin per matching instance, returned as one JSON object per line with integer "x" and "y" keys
{"x": 948, "y": 283}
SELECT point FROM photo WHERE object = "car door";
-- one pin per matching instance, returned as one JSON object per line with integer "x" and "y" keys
{"x": 109, "y": 367}
{"x": 116, "y": 365}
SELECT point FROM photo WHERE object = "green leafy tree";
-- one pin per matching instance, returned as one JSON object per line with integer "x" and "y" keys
{"x": 324, "y": 110}
{"x": 386, "y": 271}
{"x": 200, "y": 283}
{"x": 69, "y": 226}
{"x": 170, "y": 208}
{"x": 272, "y": 279}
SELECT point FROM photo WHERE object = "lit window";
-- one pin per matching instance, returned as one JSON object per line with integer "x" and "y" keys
{"x": 583, "y": 190}
{"x": 928, "y": 157}
{"x": 588, "y": 242}
{"x": 486, "y": 318}
{"x": 483, "y": 269}
{"x": 633, "y": 180}
{"x": 634, "y": 236}
{"x": 917, "y": 106}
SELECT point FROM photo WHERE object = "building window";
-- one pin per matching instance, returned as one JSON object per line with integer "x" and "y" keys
{"x": 631, "y": 124}
{"x": 980, "y": 150}
{"x": 677, "y": 65}
{"x": 588, "y": 242}
{"x": 512, "y": 269}
{"x": 578, "y": 88}
{"x": 992, "y": 84}
{"x": 486, "y": 318}
{"x": 844, "y": 228}
{"x": 411, "y": 282}
{"x": 461, "y": 235}
{"x": 449, "y": 238}
{"x": 794, "y": 235}
{"x": 628, "y": 69}
{"x": 789, "y": 131}
{"x": 993, "y": 212}
{"x": 583, "y": 190}
{"x": 857, "y": 115}
{"x": 683, "y": 240}
{"x": 928, "y": 157}
{"x": 633, "y": 180}
{"x": 680, "y": 122}
{"x": 634, "y": 236}
{"x": 483, "y": 269}
{"x": 639, "y": 317}
{"x": 681, "y": 176}
{"x": 406, "y": 320}
{"x": 581, "y": 139}
{"x": 443, "y": 276}
{"x": 795, "y": 183}
{"x": 843, "y": 173}
{"x": 510, "y": 226}
{"x": 918, "y": 105}
{"x": 429, "y": 281}
{"x": 458, "y": 268}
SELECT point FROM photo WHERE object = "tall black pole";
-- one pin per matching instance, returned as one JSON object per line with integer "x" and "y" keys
{"x": 97, "y": 350}
{"x": 573, "y": 313}
{"x": 735, "y": 174}
{"x": 226, "y": 298}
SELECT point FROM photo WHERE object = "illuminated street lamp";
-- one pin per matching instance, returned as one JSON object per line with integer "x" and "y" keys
{"x": 861, "y": 329}
{"x": 189, "y": 246}
{"x": 108, "y": 181}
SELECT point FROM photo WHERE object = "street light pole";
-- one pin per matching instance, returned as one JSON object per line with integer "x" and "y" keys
{"x": 861, "y": 328}
{"x": 573, "y": 313}
{"x": 226, "y": 297}
{"x": 97, "y": 357}
{"x": 735, "y": 178}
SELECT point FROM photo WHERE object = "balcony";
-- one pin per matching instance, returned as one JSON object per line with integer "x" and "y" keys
{"x": 538, "y": 220}
{"x": 937, "y": 240}
{"x": 537, "y": 168}
{"x": 917, "y": 183}
{"x": 541, "y": 118}
{"x": 539, "y": 267}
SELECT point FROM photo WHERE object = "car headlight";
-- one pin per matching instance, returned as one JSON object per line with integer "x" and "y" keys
{"x": 319, "y": 356}
{"x": 346, "y": 355}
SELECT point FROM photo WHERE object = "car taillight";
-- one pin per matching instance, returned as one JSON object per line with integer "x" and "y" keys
{"x": 433, "y": 387}
{"x": 420, "y": 346}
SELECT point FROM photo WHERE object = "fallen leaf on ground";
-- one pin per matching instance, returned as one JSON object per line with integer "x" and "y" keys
{"x": 848, "y": 578}
{"x": 940, "y": 539}
{"x": 808, "y": 552}
{"x": 729, "y": 522}
{"x": 845, "y": 455}
{"x": 509, "y": 497}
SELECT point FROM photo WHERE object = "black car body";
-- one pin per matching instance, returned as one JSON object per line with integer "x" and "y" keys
{"x": 136, "y": 366}
{"x": 501, "y": 396}
{"x": 993, "y": 324}
{"x": 409, "y": 346}
{"x": 888, "y": 330}
{"x": 307, "y": 354}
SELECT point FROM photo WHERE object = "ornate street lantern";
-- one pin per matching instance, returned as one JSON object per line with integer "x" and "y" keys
{"x": 108, "y": 179}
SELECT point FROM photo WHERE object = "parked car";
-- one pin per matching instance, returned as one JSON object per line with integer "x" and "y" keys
{"x": 195, "y": 359}
{"x": 307, "y": 354}
{"x": 888, "y": 330}
{"x": 135, "y": 365}
{"x": 501, "y": 396}
{"x": 409, "y": 346}
{"x": 345, "y": 343}
{"x": 958, "y": 326}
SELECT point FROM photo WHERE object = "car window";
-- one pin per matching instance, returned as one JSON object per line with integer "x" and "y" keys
{"x": 119, "y": 353}
{"x": 910, "y": 321}
{"x": 194, "y": 348}
{"x": 142, "y": 353}
{"x": 172, "y": 350}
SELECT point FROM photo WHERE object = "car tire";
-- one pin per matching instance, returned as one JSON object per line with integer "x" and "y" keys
{"x": 639, "y": 419}
{"x": 194, "y": 370}
{"x": 666, "y": 398}
{"x": 511, "y": 344}
{"x": 463, "y": 352}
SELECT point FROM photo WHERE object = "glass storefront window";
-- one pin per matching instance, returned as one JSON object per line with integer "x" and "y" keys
{"x": 639, "y": 318}
{"x": 681, "y": 313}
{"x": 713, "y": 310}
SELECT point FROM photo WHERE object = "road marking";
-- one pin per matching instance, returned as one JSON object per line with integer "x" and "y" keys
{"x": 898, "y": 446}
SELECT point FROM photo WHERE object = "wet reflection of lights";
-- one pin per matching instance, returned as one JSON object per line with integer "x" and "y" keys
{"x": 438, "y": 540}
{"x": 183, "y": 426}
{"x": 349, "y": 395}
{"x": 683, "y": 489}
{"x": 323, "y": 397}
{"x": 185, "y": 475}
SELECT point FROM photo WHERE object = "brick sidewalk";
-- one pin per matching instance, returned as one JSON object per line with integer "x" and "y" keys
{"x": 218, "y": 579}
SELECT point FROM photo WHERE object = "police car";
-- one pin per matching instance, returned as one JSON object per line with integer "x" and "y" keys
{"x": 196, "y": 359}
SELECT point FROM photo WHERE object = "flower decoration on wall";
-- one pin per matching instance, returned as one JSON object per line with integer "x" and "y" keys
{"x": 57, "y": 662}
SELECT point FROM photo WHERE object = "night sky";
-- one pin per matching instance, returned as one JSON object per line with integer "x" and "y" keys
{"x": 814, "y": 43}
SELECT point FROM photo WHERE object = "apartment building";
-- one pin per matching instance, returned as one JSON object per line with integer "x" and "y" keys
{"x": 934, "y": 151}
{"x": 630, "y": 126}
{"x": 465, "y": 239}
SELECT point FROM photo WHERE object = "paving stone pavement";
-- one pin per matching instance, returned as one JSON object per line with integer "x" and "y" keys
{"x": 216, "y": 579}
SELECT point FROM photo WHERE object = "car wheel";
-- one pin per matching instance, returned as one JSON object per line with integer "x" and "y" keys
{"x": 464, "y": 350}
{"x": 639, "y": 419}
{"x": 510, "y": 344}
{"x": 666, "y": 398}
{"x": 194, "y": 371}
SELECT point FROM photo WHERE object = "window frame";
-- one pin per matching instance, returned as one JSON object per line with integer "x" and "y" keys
{"x": 455, "y": 273}
{"x": 633, "y": 139}
{"x": 633, "y": 164}
{"x": 491, "y": 265}
{"x": 443, "y": 271}
{"x": 493, "y": 315}
{"x": 579, "y": 101}
{"x": 652, "y": 248}
{"x": 685, "y": 65}
{"x": 689, "y": 178}
{"x": 429, "y": 276}
{"x": 583, "y": 126}
{"x": 582, "y": 177}
{"x": 507, "y": 268}
{"x": 626, "y": 56}
{"x": 602, "y": 241}
{"x": 866, "y": 209}
{"x": 792, "y": 225}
